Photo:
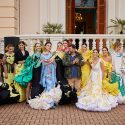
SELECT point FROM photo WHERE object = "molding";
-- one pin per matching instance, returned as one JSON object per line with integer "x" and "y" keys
{"x": 8, "y": 27}
{"x": 8, "y": 7}
{"x": 9, "y": 17}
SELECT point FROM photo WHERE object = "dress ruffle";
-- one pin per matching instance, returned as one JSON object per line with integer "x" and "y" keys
{"x": 107, "y": 86}
{"x": 120, "y": 99}
{"x": 110, "y": 88}
{"x": 25, "y": 75}
{"x": 105, "y": 102}
{"x": 47, "y": 100}
{"x": 19, "y": 88}
{"x": 118, "y": 78}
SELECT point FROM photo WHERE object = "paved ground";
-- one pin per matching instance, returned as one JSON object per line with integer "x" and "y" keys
{"x": 22, "y": 114}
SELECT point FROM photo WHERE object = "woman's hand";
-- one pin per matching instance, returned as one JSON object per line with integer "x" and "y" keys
{"x": 51, "y": 60}
{"x": 46, "y": 61}
{"x": 41, "y": 60}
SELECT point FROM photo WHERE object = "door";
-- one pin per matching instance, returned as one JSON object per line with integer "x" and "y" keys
{"x": 99, "y": 18}
{"x": 70, "y": 16}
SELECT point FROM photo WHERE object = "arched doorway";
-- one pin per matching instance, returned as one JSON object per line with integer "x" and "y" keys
{"x": 86, "y": 16}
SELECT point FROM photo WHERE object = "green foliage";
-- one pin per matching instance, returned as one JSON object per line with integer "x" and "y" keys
{"x": 52, "y": 28}
{"x": 119, "y": 23}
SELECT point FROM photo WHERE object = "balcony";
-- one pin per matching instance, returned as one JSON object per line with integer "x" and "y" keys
{"x": 92, "y": 40}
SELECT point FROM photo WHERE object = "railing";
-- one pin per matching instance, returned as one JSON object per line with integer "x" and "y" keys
{"x": 92, "y": 40}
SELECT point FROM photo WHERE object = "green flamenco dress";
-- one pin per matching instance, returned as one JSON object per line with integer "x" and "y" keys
{"x": 25, "y": 75}
{"x": 118, "y": 78}
{"x": 117, "y": 73}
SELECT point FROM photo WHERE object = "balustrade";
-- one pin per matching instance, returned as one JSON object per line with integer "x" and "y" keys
{"x": 92, "y": 40}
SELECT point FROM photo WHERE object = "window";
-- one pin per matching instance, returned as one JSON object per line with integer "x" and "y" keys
{"x": 85, "y": 3}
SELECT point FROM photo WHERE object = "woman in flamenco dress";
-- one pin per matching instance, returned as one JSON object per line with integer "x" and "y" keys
{"x": 51, "y": 95}
{"x": 20, "y": 56}
{"x": 92, "y": 96}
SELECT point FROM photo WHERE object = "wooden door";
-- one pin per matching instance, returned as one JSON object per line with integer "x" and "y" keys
{"x": 100, "y": 21}
{"x": 70, "y": 16}
{"x": 101, "y": 17}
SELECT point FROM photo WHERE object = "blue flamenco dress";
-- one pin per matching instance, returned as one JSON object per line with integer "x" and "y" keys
{"x": 48, "y": 73}
{"x": 52, "y": 94}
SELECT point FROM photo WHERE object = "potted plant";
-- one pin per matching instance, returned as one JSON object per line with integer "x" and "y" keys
{"x": 52, "y": 28}
{"x": 118, "y": 23}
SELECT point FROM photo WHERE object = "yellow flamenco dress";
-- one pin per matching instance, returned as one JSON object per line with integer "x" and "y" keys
{"x": 85, "y": 69}
{"x": 21, "y": 90}
{"x": 10, "y": 73}
{"x": 10, "y": 68}
{"x": 106, "y": 85}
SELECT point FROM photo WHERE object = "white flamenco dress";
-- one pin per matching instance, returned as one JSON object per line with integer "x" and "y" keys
{"x": 47, "y": 100}
{"x": 92, "y": 98}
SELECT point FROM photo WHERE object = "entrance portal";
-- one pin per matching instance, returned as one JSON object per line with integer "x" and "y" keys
{"x": 86, "y": 16}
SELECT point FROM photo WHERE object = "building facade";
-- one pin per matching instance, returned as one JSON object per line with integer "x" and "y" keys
{"x": 76, "y": 16}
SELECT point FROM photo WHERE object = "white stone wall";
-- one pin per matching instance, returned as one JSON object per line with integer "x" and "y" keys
{"x": 52, "y": 11}
{"x": 121, "y": 12}
{"x": 28, "y": 16}
{"x": 35, "y": 13}
{"x": 115, "y": 8}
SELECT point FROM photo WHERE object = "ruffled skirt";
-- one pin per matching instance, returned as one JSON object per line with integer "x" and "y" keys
{"x": 110, "y": 88}
{"x": 47, "y": 99}
{"x": 119, "y": 79}
{"x": 93, "y": 102}
{"x": 21, "y": 90}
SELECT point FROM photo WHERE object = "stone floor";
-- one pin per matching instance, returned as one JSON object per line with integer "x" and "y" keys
{"x": 22, "y": 114}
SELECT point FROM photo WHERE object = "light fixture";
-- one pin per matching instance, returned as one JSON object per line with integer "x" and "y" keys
{"x": 78, "y": 17}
